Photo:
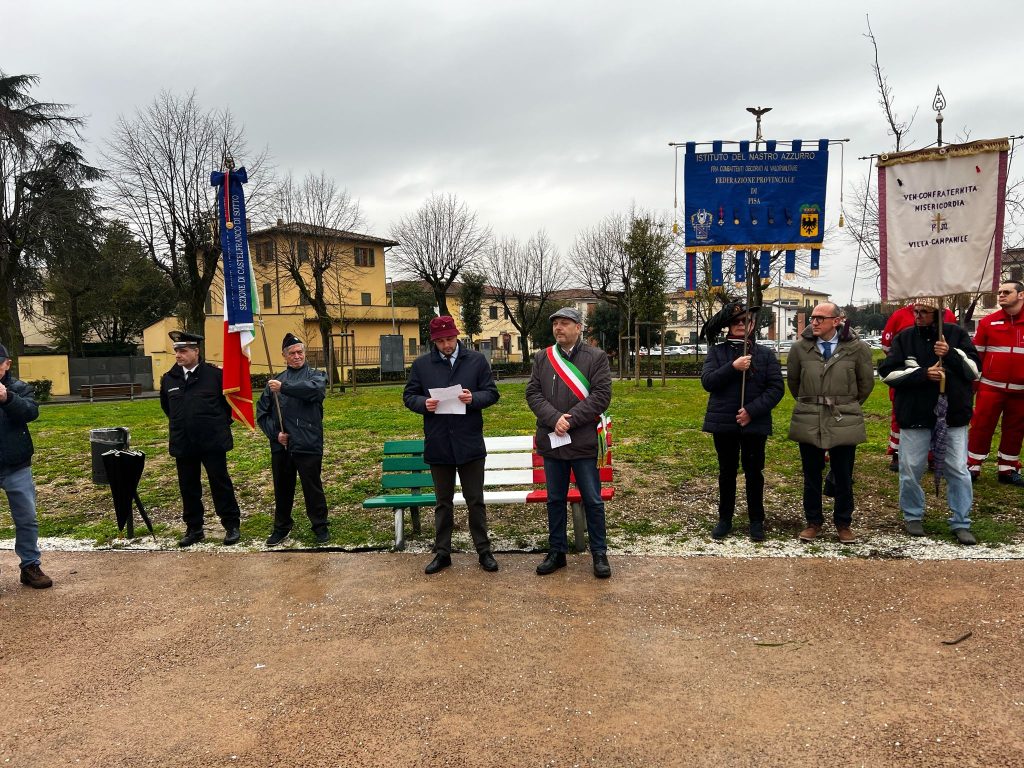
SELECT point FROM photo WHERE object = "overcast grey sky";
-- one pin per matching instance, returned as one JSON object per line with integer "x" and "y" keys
{"x": 538, "y": 114}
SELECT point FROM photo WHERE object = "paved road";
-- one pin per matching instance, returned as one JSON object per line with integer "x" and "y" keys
{"x": 319, "y": 659}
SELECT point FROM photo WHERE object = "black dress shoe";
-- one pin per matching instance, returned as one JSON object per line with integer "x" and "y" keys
{"x": 552, "y": 563}
{"x": 276, "y": 537}
{"x": 487, "y": 562}
{"x": 601, "y": 568}
{"x": 757, "y": 530}
{"x": 439, "y": 563}
{"x": 1012, "y": 478}
{"x": 323, "y": 537}
{"x": 232, "y": 535}
{"x": 191, "y": 537}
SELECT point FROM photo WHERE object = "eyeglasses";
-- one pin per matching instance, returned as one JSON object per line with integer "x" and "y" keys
{"x": 822, "y": 318}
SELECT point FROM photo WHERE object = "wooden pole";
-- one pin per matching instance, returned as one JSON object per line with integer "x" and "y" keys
{"x": 270, "y": 367}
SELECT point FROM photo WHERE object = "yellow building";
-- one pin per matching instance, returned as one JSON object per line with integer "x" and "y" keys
{"x": 355, "y": 289}
{"x": 499, "y": 339}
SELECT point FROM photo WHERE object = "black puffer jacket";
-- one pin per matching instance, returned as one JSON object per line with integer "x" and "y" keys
{"x": 905, "y": 369}
{"x": 451, "y": 438}
{"x": 764, "y": 388}
{"x": 199, "y": 414}
{"x": 302, "y": 405}
{"x": 15, "y": 414}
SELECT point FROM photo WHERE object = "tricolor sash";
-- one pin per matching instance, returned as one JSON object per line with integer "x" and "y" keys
{"x": 578, "y": 384}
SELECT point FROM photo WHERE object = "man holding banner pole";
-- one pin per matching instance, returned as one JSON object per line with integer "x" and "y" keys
{"x": 569, "y": 391}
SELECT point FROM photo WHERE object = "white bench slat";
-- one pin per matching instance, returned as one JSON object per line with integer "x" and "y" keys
{"x": 509, "y": 460}
{"x": 514, "y": 443}
{"x": 495, "y": 497}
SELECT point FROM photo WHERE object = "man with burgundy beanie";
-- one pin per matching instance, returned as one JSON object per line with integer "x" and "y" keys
{"x": 454, "y": 442}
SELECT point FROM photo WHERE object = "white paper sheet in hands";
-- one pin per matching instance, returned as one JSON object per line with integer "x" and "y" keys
{"x": 448, "y": 399}
{"x": 559, "y": 440}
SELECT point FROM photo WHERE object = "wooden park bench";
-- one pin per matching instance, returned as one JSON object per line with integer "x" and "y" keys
{"x": 514, "y": 474}
{"x": 109, "y": 391}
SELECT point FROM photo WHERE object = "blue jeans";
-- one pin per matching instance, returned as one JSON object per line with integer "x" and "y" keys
{"x": 913, "y": 463}
{"x": 21, "y": 495}
{"x": 588, "y": 481}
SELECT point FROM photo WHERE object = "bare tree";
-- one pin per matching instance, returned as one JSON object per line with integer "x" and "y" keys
{"x": 898, "y": 128}
{"x": 522, "y": 278}
{"x": 437, "y": 242}
{"x": 159, "y": 164}
{"x": 320, "y": 218}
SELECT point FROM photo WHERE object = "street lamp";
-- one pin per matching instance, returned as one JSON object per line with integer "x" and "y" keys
{"x": 939, "y": 104}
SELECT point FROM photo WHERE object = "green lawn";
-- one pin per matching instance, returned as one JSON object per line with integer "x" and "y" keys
{"x": 666, "y": 470}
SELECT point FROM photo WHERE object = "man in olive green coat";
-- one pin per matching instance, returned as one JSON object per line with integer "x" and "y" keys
{"x": 830, "y": 374}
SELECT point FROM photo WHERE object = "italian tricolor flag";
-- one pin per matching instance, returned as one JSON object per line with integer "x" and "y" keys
{"x": 237, "y": 359}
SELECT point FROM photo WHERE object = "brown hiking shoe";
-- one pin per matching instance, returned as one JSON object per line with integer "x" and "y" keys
{"x": 810, "y": 533}
{"x": 33, "y": 576}
{"x": 846, "y": 536}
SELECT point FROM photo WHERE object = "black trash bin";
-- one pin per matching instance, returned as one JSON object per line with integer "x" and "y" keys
{"x": 103, "y": 440}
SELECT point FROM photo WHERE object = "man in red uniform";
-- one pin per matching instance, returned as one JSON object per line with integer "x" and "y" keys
{"x": 1000, "y": 342}
{"x": 899, "y": 320}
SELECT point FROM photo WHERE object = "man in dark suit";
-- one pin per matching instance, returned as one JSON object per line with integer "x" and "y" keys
{"x": 454, "y": 442}
{"x": 192, "y": 396}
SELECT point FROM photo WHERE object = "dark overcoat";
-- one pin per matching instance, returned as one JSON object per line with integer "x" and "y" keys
{"x": 199, "y": 416}
{"x": 764, "y": 389}
{"x": 451, "y": 438}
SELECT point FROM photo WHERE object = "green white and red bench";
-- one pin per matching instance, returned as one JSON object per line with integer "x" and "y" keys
{"x": 514, "y": 474}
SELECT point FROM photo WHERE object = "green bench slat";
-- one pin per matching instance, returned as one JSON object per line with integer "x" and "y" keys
{"x": 402, "y": 500}
{"x": 403, "y": 446}
{"x": 408, "y": 480}
{"x": 404, "y": 463}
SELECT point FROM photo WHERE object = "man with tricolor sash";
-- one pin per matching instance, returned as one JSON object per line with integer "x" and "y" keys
{"x": 569, "y": 391}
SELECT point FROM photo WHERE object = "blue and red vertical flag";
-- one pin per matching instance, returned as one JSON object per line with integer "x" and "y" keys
{"x": 240, "y": 303}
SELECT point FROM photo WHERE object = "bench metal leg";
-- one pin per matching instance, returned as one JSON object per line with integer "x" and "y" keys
{"x": 415, "y": 520}
{"x": 579, "y": 527}
{"x": 399, "y": 528}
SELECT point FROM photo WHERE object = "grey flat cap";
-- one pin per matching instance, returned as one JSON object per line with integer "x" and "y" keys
{"x": 569, "y": 313}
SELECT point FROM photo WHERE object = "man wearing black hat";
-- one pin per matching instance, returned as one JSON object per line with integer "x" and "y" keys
{"x": 18, "y": 408}
{"x": 192, "y": 396}
{"x": 569, "y": 390}
{"x": 297, "y": 444}
{"x": 454, "y": 442}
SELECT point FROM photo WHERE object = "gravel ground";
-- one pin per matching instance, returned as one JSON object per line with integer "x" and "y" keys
{"x": 225, "y": 658}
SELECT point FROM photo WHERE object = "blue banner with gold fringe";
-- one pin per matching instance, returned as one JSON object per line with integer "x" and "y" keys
{"x": 755, "y": 199}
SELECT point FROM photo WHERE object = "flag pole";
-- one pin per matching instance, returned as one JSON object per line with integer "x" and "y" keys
{"x": 266, "y": 348}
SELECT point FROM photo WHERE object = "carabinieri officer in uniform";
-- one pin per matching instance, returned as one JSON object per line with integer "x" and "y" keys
{"x": 192, "y": 396}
